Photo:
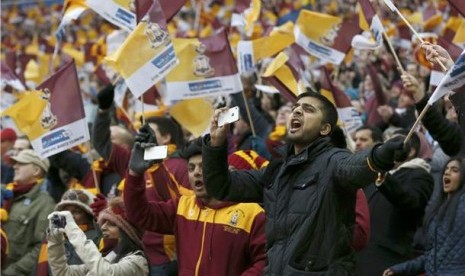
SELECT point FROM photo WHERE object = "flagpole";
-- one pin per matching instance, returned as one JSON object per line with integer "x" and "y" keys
{"x": 417, "y": 122}
{"x": 388, "y": 41}
{"x": 252, "y": 127}
{"x": 142, "y": 109}
{"x": 94, "y": 174}
{"x": 394, "y": 8}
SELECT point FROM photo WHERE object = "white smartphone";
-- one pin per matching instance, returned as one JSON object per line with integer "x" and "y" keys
{"x": 229, "y": 116}
{"x": 156, "y": 153}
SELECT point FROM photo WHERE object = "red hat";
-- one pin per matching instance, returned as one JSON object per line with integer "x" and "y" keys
{"x": 8, "y": 134}
{"x": 246, "y": 160}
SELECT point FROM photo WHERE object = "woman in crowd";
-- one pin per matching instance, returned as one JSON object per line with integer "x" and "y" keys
{"x": 126, "y": 259}
{"x": 445, "y": 232}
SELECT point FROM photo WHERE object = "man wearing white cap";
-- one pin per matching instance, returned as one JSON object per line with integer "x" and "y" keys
{"x": 27, "y": 212}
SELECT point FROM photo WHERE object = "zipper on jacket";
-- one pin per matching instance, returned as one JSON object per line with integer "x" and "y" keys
{"x": 197, "y": 266}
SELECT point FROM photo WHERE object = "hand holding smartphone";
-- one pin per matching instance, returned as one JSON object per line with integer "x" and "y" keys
{"x": 229, "y": 116}
{"x": 156, "y": 153}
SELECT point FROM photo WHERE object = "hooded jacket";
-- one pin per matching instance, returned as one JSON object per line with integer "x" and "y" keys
{"x": 228, "y": 239}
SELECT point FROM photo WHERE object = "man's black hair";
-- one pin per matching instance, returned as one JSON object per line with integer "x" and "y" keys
{"x": 168, "y": 126}
{"x": 376, "y": 133}
{"x": 327, "y": 107}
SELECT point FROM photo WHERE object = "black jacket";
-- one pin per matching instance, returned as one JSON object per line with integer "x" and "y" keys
{"x": 309, "y": 202}
{"x": 449, "y": 135}
{"x": 396, "y": 210}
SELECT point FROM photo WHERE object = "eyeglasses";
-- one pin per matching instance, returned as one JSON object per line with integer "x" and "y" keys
{"x": 76, "y": 195}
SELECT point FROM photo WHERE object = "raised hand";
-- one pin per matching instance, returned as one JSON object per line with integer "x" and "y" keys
{"x": 412, "y": 85}
{"x": 218, "y": 134}
{"x": 435, "y": 53}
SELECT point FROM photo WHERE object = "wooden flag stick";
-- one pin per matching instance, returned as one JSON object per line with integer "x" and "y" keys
{"x": 252, "y": 127}
{"x": 142, "y": 109}
{"x": 94, "y": 174}
{"x": 388, "y": 41}
{"x": 394, "y": 8}
{"x": 417, "y": 122}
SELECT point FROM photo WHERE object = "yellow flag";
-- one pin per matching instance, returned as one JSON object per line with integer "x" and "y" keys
{"x": 26, "y": 114}
{"x": 280, "y": 75}
{"x": 251, "y": 15}
{"x": 187, "y": 113}
{"x": 251, "y": 52}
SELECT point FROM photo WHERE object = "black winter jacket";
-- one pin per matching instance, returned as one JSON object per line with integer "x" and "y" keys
{"x": 309, "y": 202}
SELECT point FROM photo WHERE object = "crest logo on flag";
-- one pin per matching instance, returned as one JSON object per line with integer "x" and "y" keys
{"x": 202, "y": 67}
{"x": 47, "y": 120}
{"x": 155, "y": 34}
{"x": 330, "y": 35}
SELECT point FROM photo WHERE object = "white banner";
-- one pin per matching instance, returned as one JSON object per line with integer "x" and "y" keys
{"x": 114, "y": 13}
{"x": 61, "y": 139}
{"x": 317, "y": 49}
{"x": 350, "y": 118}
{"x": 203, "y": 88}
{"x": 245, "y": 57}
{"x": 152, "y": 71}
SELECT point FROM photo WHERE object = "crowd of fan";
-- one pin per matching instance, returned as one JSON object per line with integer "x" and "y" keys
{"x": 107, "y": 211}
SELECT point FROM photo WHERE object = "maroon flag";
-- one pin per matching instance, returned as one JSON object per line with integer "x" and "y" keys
{"x": 64, "y": 115}
{"x": 340, "y": 98}
{"x": 170, "y": 8}
{"x": 8, "y": 77}
{"x": 348, "y": 115}
{"x": 459, "y": 5}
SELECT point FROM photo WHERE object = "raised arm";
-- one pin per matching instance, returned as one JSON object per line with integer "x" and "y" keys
{"x": 239, "y": 186}
{"x": 153, "y": 216}
{"x": 411, "y": 198}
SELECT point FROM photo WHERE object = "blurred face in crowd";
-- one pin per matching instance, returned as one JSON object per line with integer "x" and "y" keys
{"x": 451, "y": 178}
{"x": 80, "y": 216}
{"x": 117, "y": 134}
{"x": 161, "y": 139}
{"x": 363, "y": 140}
{"x": 368, "y": 84}
{"x": 283, "y": 113}
{"x": 451, "y": 113}
{"x": 26, "y": 173}
{"x": 405, "y": 100}
{"x": 20, "y": 145}
{"x": 412, "y": 69}
{"x": 110, "y": 230}
{"x": 194, "y": 169}
{"x": 305, "y": 123}
{"x": 240, "y": 127}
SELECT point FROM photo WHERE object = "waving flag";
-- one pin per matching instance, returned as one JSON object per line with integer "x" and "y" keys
{"x": 187, "y": 114}
{"x": 349, "y": 117}
{"x": 375, "y": 25}
{"x": 250, "y": 52}
{"x": 72, "y": 9}
{"x": 454, "y": 80}
{"x": 118, "y": 12}
{"x": 330, "y": 41}
{"x": 53, "y": 116}
{"x": 207, "y": 68}
{"x": 283, "y": 76}
{"x": 8, "y": 77}
{"x": 458, "y": 5}
{"x": 246, "y": 15}
{"x": 147, "y": 55}
{"x": 170, "y": 8}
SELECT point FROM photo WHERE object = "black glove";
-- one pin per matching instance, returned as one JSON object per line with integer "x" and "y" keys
{"x": 144, "y": 139}
{"x": 105, "y": 97}
{"x": 383, "y": 156}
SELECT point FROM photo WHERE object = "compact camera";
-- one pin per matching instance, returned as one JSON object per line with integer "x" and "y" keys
{"x": 58, "y": 221}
